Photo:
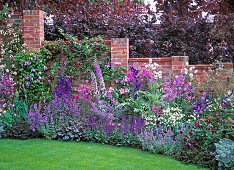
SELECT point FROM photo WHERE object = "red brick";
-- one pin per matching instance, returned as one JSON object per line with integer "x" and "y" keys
{"x": 115, "y": 45}
{"x": 30, "y": 17}
{"x": 176, "y": 63}
{"x": 34, "y": 42}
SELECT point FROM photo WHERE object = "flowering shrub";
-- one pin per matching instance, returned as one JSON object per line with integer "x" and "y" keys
{"x": 10, "y": 35}
{"x": 180, "y": 93}
{"x": 32, "y": 76}
{"x": 7, "y": 93}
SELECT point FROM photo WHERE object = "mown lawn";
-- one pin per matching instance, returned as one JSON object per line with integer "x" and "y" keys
{"x": 50, "y": 154}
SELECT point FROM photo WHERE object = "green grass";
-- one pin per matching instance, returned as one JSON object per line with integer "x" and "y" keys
{"x": 50, "y": 154}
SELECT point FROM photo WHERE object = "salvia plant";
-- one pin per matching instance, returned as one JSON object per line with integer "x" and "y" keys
{"x": 123, "y": 132}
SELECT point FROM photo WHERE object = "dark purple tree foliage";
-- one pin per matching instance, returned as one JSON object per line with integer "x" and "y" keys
{"x": 183, "y": 29}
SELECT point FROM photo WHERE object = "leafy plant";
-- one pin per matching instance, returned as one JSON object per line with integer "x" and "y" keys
{"x": 20, "y": 130}
{"x": 224, "y": 153}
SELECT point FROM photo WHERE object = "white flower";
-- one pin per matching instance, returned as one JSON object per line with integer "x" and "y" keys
{"x": 7, "y": 70}
{"x": 186, "y": 63}
{"x": 150, "y": 60}
{"x": 15, "y": 73}
{"x": 195, "y": 71}
{"x": 117, "y": 63}
{"x": 191, "y": 75}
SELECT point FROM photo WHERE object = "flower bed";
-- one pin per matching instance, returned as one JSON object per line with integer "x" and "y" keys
{"x": 140, "y": 110}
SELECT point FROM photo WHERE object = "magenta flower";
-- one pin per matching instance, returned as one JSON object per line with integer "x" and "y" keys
{"x": 27, "y": 84}
{"x": 121, "y": 91}
{"x": 33, "y": 70}
{"x": 37, "y": 58}
{"x": 27, "y": 77}
{"x": 45, "y": 68}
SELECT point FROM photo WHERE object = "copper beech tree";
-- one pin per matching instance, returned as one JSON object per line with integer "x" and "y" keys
{"x": 186, "y": 26}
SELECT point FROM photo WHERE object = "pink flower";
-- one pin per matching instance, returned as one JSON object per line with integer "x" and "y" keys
{"x": 67, "y": 102}
{"x": 121, "y": 91}
{"x": 127, "y": 90}
{"x": 27, "y": 77}
{"x": 185, "y": 139}
{"x": 33, "y": 70}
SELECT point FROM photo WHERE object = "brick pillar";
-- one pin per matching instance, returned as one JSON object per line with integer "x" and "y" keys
{"x": 33, "y": 32}
{"x": 119, "y": 52}
{"x": 177, "y": 63}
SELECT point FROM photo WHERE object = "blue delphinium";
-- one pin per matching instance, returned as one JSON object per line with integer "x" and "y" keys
{"x": 63, "y": 88}
{"x": 137, "y": 83}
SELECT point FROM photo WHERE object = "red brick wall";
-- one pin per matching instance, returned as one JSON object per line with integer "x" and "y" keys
{"x": 119, "y": 52}
{"x": 33, "y": 21}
